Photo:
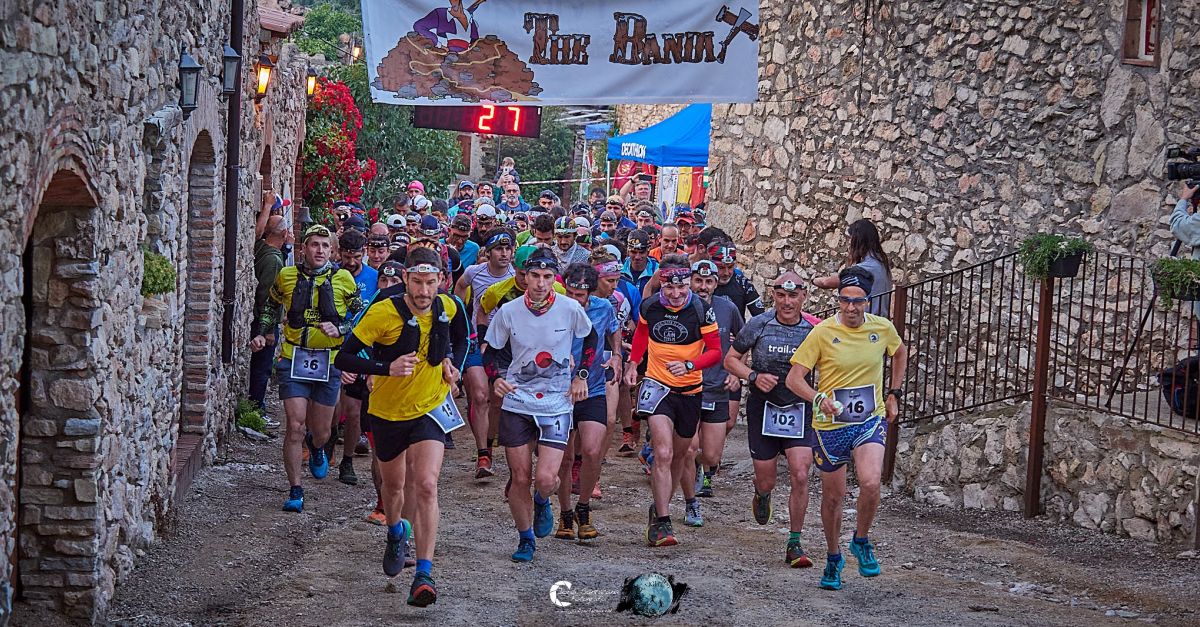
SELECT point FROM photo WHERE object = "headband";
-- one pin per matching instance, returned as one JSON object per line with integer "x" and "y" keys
{"x": 704, "y": 267}
{"x": 581, "y": 284}
{"x": 609, "y": 269}
{"x": 723, "y": 254}
{"x": 856, "y": 280}
{"x": 635, "y": 244}
{"x": 675, "y": 275}
{"x": 542, "y": 263}
{"x": 499, "y": 239}
{"x": 390, "y": 269}
{"x": 423, "y": 267}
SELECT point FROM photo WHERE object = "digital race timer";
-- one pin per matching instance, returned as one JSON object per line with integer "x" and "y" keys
{"x": 491, "y": 119}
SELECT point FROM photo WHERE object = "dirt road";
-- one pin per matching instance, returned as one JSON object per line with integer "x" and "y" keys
{"x": 232, "y": 558}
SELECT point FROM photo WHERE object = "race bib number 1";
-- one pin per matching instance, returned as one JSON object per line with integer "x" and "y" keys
{"x": 554, "y": 429}
{"x": 447, "y": 415}
{"x": 784, "y": 422}
{"x": 651, "y": 394}
{"x": 858, "y": 404}
{"x": 310, "y": 364}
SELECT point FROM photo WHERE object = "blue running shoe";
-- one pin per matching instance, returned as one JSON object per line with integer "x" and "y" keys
{"x": 543, "y": 519}
{"x": 831, "y": 579}
{"x": 646, "y": 456}
{"x": 864, "y": 552}
{"x": 524, "y": 551}
{"x": 318, "y": 463}
{"x": 295, "y": 500}
{"x": 394, "y": 551}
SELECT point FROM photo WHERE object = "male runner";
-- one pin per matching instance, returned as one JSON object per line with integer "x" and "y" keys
{"x": 718, "y": 384}
{"x": 591, "y": 414}
{"x": 847, "y": 352}
{"x": 416, "y": 340}
{"x": 321, "y": 301}
{"x": 350, "y": 252}
{"x": 678, "y": 336}
{"x": 778, "y": 421}
{"x": 391, "y": 283}
{"x": 538, "y": 390}
{"x": 498, "y": 250}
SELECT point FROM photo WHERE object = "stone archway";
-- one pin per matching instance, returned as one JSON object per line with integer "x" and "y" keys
{"x": 58, "y": 519}
{"x": 200, "y": 308}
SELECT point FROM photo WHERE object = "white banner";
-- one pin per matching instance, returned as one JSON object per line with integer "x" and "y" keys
{"x": 549, "y": 52}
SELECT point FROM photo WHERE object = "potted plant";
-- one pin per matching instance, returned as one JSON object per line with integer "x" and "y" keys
{"x": 1046, "y": 255}
{"x": 1176, "y": 279}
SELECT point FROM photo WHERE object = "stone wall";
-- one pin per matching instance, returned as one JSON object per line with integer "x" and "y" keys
{"x": 1101, "y": 472}
{"x": 97, "y": 161}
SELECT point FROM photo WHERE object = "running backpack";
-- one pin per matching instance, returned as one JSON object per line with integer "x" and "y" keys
{"x": 1180, "y": 385}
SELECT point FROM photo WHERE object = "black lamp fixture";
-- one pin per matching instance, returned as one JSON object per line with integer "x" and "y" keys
{"x": 189, "y": 81}
{"x": 230, "y": 75}
{"x": 310, "y": 81}
{"x": 356, "y": 49}
{"x": 265, "y": 67}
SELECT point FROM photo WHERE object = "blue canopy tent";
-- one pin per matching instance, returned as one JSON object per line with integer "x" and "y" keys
{"x": 678, "y": 141}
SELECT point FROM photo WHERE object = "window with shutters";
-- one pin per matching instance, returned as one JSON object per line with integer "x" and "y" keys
{"x": 1140, "y": 44}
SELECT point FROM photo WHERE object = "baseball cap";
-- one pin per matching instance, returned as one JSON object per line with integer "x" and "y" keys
{"x": 608, "y": 216}
{"x": 614, "y": 200}
{"x": 396, "y": 221}
{"x": 522, "y": 253}
{"x": 421, "y": 203}
{"x": 646, "y": 213}
{"x": 637, "y": 240}
{"x": 430, "y": 226}
{"x": 612, "y": 250}
{"x": 503, "y": 238}
{"x": 582, "y": 222}
{"x": 548, "y": 194}
{"x": 417, "y": 185}
{"x": 466, "y": 184}
{"x": 479, "y": 202}
{"x": 461, "y": 222}
{"x": 486, "y": 211}
{"x": 355, "y": 221}
{"x": 316, "y": 230}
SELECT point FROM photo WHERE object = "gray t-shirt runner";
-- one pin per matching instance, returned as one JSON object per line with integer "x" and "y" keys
{"x": 771, "y": 345}
{"x": 729, "y": 324}
{"x": 880, "y": 305}
{"x": 479, "y": 277}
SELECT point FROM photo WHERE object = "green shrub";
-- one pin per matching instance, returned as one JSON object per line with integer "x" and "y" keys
{"x": 1176, "y": 278}
{"x": 249, "y": 415}
{"x": 160, "y": 275}
{"x": 1039, "y": 252}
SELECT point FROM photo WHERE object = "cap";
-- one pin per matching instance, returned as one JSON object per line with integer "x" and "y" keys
{"x": 430, "y": 226}
{"x": 704, "y": 267}
{"x": 396, "y": 221}
{"x": 479, "y": 202}
{"x": 391, "y": 269}
{"x": 583, "y": 223}
{"x": 461, "y": 222}
{"x": 548, "y": 194}
{"x": 614, "y": 200}
{"x": 645, "y": 213}
{"x": 608, "y": 216}
{"x": 316, "y": 230}
{"x": 685, "y": 218}
{"x": 564, "y": 226}
{"x": 355, "y": 222}
{"x": 421, "y": 203}
{"x": 417, "y": 185}
{"x": 486, "y": 211}
{"x": 466, "y": 184}
{"x": 401, "y": 238}
{"x": 522, "y": 253}
{"x": 638, "y": 240}
{"x": 503, "y": 238}
{"x": 612, "y": 250}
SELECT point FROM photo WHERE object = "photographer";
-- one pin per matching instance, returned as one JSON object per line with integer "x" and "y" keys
{"x": 1185, "y": 224}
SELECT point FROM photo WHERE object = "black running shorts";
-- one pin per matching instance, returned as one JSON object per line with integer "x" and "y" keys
{"x": 393, "y": 437}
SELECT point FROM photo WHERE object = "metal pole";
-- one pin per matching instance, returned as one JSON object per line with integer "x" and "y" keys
{"x": 1037, "y": 415}
{"x": 233, "y": 167}
{"x": 899, "y": 311}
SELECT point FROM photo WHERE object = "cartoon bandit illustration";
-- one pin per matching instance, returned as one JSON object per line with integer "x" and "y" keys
{"x": 453, "y": 29}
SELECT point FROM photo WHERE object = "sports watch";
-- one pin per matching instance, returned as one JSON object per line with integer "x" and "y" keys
{"x": 689, "y": 365}
{"x": 753, "y": 377}
{"x": 582, "y": 374}
{"x": 897, "y": 392}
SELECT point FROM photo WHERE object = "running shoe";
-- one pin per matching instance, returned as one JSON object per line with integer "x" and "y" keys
{"x": 864, "y": 552}
{"x": 543, "y": 519}
{"x": 271, "y": 423}
{"x": 318, "y": 461}
{"x": 587, "y": 531}
{"x": 646, "y": 456}
{"x": 395, "y": 551}
{"x": 761, "y": 506}
{"x": 449, "y": 442}
{"x": 705, "y": 490}
{"x": 628, "y": 443}
{"x": 660, "y": 534}
{"x": 483, "y": 467}
{"x": 423, "y": 592}
{"x": 524, "y": 552}
{"x": 295, "y": 500}
{"x": 596, "y": 491}
{"x": 410, "y": 551}
{"x": 691, "y": 516}
{"x": 332, "y": 442}
{"x": 377, "y": 517}
{"x": 363, "y": 448}
{"x": 566, "y": 526}
{"x": 699, "y": 478}
{"x": 346, "y": 472}
{"x": 831, "y": 579}
{"x": 796, "y": 557}
{"x": 575, "y": 476}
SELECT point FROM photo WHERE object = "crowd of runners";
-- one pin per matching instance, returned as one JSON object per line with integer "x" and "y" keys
{"x": 562, "y": 326}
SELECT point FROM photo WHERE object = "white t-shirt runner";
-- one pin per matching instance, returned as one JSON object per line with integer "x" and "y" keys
{"x": 542, "y": 365}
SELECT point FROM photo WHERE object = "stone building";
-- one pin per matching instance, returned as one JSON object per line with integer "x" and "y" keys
{"x": 109, "y": 400}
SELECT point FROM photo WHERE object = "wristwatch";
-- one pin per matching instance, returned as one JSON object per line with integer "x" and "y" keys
{"x": 582, "y": 374}
{"x": 897, "y": 392}
{"x": 689, "y": 365}
{"x": 753, "y": 377}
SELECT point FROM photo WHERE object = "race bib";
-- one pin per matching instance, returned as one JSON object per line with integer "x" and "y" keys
{"x": 651, "y": 394}
{"x": 783, "y": 422}
{"x": 310, "y": 364}
{"x": 447, "y": 415}
{"x": 554, "y": 429}
{"x": 858, "y": 404}
{"x": 708, "y": 405}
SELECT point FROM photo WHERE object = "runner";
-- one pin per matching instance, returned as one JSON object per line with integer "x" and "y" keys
{"x": 847, "y": 352}
{"x": 678, "y": 337}
{"x": 350, "y": 252}
{"x": 567, "y": 250}
{"x": 417, "y": 339}
{"x": 718, "y": 386}
{"x": 498, "y": 251}
{"x": 538, "y": 390}
{"x": 320, "y": 301}
{"x": 778, "y": 421}
{"x": 591, "y": 414}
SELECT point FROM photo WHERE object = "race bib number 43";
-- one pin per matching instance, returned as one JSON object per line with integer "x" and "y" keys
{"x": 310, "y": 365}
{"x": 650, "y": 395}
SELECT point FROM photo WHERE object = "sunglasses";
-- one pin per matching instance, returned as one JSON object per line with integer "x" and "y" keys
{"x": 853, "y": 300}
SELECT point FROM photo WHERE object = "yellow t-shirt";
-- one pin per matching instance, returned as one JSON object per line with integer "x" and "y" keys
{"x": 849, "y": 362}
{"x": 345, "y": 297}
{"x": 501, "y": 292}
{"x": 403, "y": 398}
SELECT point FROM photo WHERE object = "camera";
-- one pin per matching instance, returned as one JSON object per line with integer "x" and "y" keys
{"x": 1186, "y": 166}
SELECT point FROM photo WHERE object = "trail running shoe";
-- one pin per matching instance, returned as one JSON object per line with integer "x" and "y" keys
{"x": 628, "y": 443}
{"x": 377, "y": 517}
{"x": 864, "y": 552}
{"x": 543, "y": 519}
{"x": 295, "y": 500}
{"x": 394, "y": 552}
{"x": 363, "y": 448}
{"x": 796, "y": 557}
{"x": 761, "y": 506}
{"x": 524, "y": 552}
{"x": 566, "y": 526}
{"x": 423, "y": 592}
{"x": 691, "y": 516}
{"x": 483, "y": 467}
{"x": 346, "y": 472}
{"x": 318, "y": 462}
{"x": 332, "y": 442}
{"x": 699, "y": 479}
{"x": 705, "y": 490}
{"x": 646, "y": 456}
{"x": 575, "y": 476}
{"x": 660, "y": 534}
{"x": 831, "y": 579}
{"x": 587, "y": 531}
